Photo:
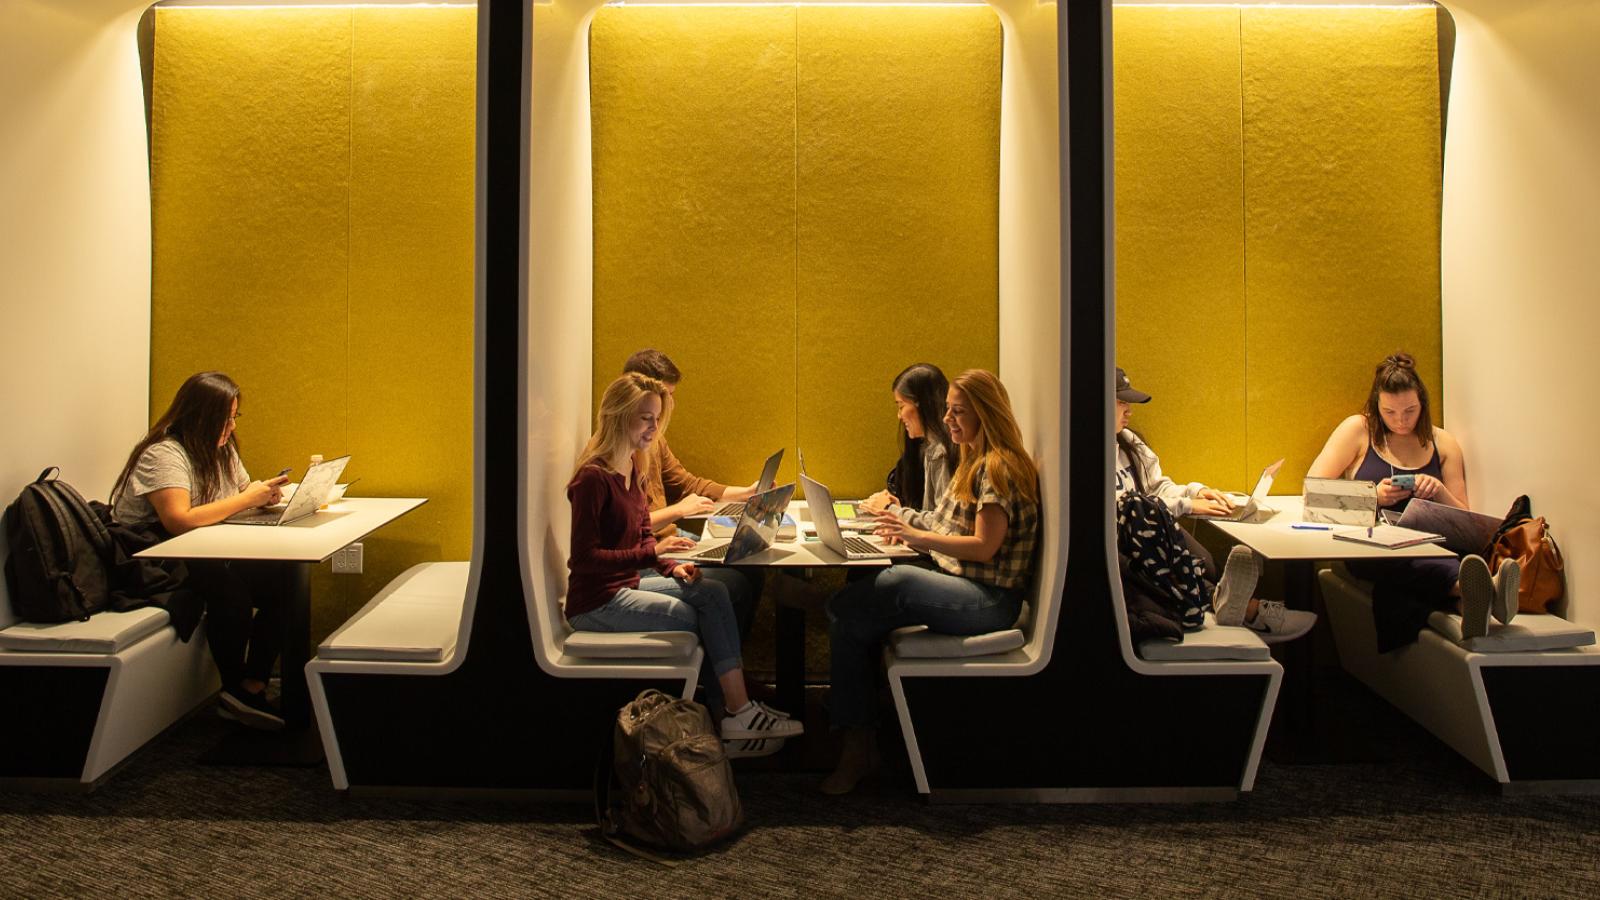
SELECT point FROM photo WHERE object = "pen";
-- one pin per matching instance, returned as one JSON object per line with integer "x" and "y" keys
{"x": 1307, "y": 526}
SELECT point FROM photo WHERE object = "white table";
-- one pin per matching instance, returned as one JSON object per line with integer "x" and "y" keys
{"x": 1298, "y": 551}
{"x": 801, "y": 553}
{"x": 299, "y": 545}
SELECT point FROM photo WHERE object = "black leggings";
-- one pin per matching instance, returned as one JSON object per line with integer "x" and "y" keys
{"x": 245, "y": 615}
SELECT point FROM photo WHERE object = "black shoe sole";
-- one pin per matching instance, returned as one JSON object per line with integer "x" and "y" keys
{"x": 231, "y": 707}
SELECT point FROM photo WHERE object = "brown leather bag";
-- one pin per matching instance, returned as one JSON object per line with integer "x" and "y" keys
{"x": 671, "y": 786}
{"x": 1526, "y": 539}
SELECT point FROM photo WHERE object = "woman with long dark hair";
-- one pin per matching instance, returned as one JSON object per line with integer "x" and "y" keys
{"x": 185, "y": 473}
{"x": 982, "y": 536}
{"x": 927, "y": 455}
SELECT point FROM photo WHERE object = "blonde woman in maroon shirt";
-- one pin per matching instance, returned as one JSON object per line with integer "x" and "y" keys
{"x": 612, "y": 540}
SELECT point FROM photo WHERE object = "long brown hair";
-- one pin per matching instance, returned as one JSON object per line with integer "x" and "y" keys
{"x": 198, "y": 413}
{"x": 618, "y": 405}
{"x": 997, "y": 446}
{"x": 1396, "y": 375}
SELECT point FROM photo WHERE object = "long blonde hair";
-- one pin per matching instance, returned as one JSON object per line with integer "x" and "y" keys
{"x": 618, "y": 406}
{"x": 998, "y": 445}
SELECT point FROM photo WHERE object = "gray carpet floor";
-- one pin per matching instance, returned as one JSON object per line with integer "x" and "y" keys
{"x": 1421, "y": 822}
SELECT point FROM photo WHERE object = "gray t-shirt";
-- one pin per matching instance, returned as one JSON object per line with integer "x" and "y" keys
{"x": 163, "y": 465}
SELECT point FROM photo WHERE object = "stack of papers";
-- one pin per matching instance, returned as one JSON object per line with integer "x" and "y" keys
{"x": 1391, "y": 536}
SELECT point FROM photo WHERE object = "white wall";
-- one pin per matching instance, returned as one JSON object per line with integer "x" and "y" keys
{"x": 1521, "y": 267}
{"x": 74, "y": 243}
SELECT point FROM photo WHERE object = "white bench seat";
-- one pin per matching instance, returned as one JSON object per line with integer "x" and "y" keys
{"x": 106, "y": 632}
{"x": 152, "y": 680}
{"x": 1465, "y": 696}
{"x": 628, "y": 645}
{"x": 1211, "y": 642}
{"x": 918, "y": 642}
{"x": 415, "y": 618}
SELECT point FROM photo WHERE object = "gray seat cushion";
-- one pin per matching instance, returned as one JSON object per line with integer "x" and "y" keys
{"x": 1526, "y": 633}
{"x": 917, "y": 642}
{"x": 415, "y": 618}
{"x": 630, "y": 644}
{"x": 1211, "y": 642}
{"x": 106, "y": 633}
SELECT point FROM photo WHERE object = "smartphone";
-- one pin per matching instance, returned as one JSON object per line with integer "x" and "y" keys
{"x": 1406, "y": 482}
{"x": 282, "y": 472}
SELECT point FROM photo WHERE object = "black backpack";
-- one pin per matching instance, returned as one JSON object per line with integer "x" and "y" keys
{"x": 59, "y": 553}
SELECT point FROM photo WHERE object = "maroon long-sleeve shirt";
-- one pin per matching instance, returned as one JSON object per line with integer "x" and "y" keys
{"x": 611, "y": 538}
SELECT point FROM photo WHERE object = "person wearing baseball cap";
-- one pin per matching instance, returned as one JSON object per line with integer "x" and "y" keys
{"x": 1139, "y": 473}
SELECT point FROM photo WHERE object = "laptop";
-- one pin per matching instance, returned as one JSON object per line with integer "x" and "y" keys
{"x": 758, "y": 525}
{"x": 1463, "y": 530}
{"x": 308, "y": 497}
{"x": 820, "y": 502}
{"x": 769, "y": 474}
{"x": 848, "y": 513}
{"x": 1246, "y": 506}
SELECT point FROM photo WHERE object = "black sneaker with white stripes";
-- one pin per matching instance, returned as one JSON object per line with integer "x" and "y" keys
{"x": 756, "y": 721}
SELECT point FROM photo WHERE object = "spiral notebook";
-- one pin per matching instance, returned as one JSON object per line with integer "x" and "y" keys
{"x": 1392, "y": 537}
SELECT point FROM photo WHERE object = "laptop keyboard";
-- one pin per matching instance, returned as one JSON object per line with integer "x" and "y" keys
{"x": 861, "y": 545}
{"x": 732, "y": 510}
{"x": 713, "y": 553}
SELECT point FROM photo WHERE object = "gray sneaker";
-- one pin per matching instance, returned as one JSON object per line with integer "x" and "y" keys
{"x": 1277, "y": 623}
{"x": 1239, "y": 577}
{"x": 1507, "y": 585}
{"x": 1477, "y": 597}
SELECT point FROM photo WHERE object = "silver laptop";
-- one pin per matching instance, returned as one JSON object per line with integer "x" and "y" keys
{"x": 308, "y": 497}
{"x": 769, "y": 475}
{"x": 1256, "y": 501}
{"x": 758, "y": 525}
{"x": 820, "y": 502}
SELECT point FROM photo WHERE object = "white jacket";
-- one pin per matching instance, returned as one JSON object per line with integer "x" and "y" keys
{"x": 1176, "y": 496}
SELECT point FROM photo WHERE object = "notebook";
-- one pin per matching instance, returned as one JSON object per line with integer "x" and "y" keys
{"x": 1392, "y": 537}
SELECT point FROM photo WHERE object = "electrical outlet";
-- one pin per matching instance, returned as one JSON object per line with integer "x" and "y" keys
{"x": 347, "y": 561}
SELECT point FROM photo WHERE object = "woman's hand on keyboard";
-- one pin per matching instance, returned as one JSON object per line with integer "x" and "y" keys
{"x": 675, "y": 544}
{"x": 693, "y": 505}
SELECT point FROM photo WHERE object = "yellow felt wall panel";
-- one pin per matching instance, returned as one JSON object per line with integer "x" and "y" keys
{"x": 1342, "y": 180}
{"x": 898, "y": 161}
{"x": 414, "y": 73}
{"x": 1180, "y": 235}
{"x": 694, "y": 226}
{"x": 312, "y": 176}
{"x": 249, "y": 177}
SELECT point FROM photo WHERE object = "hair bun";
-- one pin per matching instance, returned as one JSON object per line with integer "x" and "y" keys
{"x": 1402, "y": 359}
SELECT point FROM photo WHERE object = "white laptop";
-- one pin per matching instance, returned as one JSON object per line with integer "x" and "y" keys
{"x": 1247, "y": 505}
{"x": 312, "y": 492}
{"x": 820, "y": 502}
{"x": 769, "y": 475}
{"x": 759, "y": 524}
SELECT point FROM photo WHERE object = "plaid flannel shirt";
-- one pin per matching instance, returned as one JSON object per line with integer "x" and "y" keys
{"x": 1011, "y": 564}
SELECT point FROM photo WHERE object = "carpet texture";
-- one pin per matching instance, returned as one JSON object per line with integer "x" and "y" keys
{"x": 1422, "y": 823}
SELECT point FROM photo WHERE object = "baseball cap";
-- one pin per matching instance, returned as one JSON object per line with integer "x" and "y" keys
{"x": 1125, "y": 391}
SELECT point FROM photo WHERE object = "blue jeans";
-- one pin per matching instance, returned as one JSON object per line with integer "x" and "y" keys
{"x": 662, "y": 604}
{"x": 863, "y": 614}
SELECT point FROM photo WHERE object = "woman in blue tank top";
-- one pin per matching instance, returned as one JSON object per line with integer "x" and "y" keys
{"x": 1394, "y": 435}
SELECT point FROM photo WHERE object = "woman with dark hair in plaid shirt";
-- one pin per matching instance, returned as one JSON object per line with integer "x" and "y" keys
{"x": 981, "y": 537}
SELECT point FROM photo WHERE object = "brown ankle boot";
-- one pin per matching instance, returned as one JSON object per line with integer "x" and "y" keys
{"x": 858, "y": 760}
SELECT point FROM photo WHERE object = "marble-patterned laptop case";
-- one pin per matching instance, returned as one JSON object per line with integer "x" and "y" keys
{"x": 1340, "y": 501}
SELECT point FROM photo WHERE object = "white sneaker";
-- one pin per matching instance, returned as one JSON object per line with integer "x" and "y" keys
{"x": 1238, "y": 583}
{"x": 1277, "y": 623}
{"x": 744, "y": 749}
{"x": 1507, "y": 586}
{"x": 755, "y": 721}
{"x": 1477, "y": 597}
